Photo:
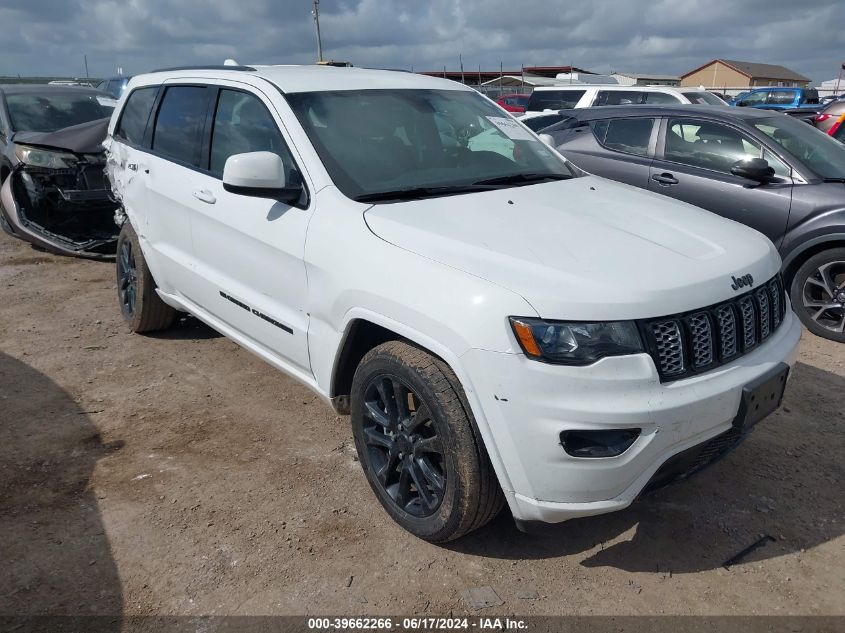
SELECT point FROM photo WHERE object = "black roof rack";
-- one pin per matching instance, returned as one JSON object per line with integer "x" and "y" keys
{"x": 207, "y": 67}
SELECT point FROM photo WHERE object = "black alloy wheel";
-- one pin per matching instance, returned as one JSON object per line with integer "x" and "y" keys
{"x": 141, "y": 307}
{"x": 127, "y": 279}
{"x": 418, "y": 443}
{"x": 403, "y": 446}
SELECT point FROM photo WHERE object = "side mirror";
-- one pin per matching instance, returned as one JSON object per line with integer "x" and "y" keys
{"x": 260, "y": 174}
{"x": 741, "y": 104}
{"x": 548, "y": 139}
{"x": 753, "y": 169}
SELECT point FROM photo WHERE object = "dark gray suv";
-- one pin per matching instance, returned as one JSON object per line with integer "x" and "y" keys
{"x": 761, "y": 168}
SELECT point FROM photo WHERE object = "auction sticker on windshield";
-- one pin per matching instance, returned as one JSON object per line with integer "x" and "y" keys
{"x": 511, "y": 128}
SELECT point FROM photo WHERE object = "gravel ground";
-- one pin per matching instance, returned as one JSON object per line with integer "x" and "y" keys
{"x": 177, "y": 474}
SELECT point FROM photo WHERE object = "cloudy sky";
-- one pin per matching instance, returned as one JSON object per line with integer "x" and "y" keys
{"x": 50, "y": 37}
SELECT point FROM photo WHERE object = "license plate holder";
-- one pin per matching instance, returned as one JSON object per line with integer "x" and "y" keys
{"x": 761, "y": 397}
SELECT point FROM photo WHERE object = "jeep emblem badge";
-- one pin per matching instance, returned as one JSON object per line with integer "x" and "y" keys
{"x": 741, "y": 282}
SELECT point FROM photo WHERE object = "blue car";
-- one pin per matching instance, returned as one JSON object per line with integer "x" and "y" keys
{"x": 777, "y": 98}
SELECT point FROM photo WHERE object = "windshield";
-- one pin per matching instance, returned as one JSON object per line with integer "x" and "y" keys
{"x": 704, "y": 98}
{"x": 48, "y": 113}
{"x": 373, "y": 142}
{"x": 824, "y": 155}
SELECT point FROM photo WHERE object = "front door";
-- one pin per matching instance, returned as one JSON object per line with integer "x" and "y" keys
{"x": 249, "y": 250}
{"x": 693, "y": 164}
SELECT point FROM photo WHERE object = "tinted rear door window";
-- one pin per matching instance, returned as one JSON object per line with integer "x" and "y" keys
{"x": 554, "y": 99}
{"x": 133, "y": 120}
{"x": 178, "y": 130}
{"x": 630, "y": 136}
{"x": 618, "y": 97}
{"x": 781, "y": 97}
{"x": 660, "y": 97}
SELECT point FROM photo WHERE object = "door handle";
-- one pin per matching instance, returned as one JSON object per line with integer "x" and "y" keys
{"x": 205, "y": 196}
{"x": 665, "y": 179}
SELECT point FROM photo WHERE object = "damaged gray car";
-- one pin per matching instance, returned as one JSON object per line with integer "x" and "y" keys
{"x": 53, "y": 189}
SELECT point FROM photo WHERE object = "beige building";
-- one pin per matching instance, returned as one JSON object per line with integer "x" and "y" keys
{"x": 727, "y": 73}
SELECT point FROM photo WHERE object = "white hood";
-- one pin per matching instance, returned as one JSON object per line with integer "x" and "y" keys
{"x": 585, "y": 248}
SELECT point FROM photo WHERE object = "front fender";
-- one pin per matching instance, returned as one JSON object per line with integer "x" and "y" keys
{"x": 812, "y": 235}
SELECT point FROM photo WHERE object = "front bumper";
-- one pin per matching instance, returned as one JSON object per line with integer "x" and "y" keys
{"x": 92, "y": 206}
{"x": 527, "y": 404}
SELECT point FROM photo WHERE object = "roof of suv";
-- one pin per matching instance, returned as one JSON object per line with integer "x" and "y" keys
{"x": 618, "y": 87}
{"x": 614, "y": 112}
{"x": 312, "y": 78}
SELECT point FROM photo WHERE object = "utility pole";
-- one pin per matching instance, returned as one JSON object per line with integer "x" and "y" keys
{"x": 839, "y": 79}
{"x": 461, "y": 59}
{"x": 86, "y": 66}
{"x": 316, "y": 13}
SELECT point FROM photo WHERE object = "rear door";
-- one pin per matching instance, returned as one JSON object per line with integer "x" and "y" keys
{"x": 169, "y": 168}
{"x": 619, "y": 149}
{"x": 249, "y": 250}
{"x": 693, "y": 164}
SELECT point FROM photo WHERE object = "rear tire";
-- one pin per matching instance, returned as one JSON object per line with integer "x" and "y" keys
{"x": 818, "y": 294}
{"x": 142, "y": 308}
{"x": 419, "y": 446}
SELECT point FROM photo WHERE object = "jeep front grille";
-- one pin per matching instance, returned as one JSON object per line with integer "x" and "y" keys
{"x": 699, "y": 340}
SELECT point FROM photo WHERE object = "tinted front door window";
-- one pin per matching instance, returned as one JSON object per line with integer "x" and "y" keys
{"x": 179, "y": 124}
{"x": 707, "y": 145}
{"x": 243, "y": 124}
{"x": 754, "y": 98}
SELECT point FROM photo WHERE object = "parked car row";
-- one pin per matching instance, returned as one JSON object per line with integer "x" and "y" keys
{"x": 503, "y": 327}
{"x": 762, "y": 169}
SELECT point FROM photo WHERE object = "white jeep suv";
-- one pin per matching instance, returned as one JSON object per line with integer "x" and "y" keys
{"x": 500, "y": 330}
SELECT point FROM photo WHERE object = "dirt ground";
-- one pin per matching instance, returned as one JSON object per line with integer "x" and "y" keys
{"x": 178, "y": 474}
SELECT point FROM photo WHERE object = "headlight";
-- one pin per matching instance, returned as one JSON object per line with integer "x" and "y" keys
{"x": 45, "y": 158}
{"x": 575, "y": 343}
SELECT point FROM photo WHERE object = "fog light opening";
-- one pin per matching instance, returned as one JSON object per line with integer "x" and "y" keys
{"x": 609, "y": 443}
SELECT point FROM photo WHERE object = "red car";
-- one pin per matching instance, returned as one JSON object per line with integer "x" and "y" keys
{"x": 513, "y": 103}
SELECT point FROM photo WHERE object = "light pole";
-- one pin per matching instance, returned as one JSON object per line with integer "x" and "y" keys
{"x": 316, "y": 13}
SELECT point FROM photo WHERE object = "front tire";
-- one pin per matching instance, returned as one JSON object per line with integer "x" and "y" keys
{"x": 419, "y": 446}
{"x": 142, "y": 308}
{"x": 818, "y": 294}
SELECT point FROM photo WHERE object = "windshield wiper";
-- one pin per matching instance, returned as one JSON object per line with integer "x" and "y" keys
{"x": 833, "y": 179}
{"x": 522, "y": 179}
{"x": 414, "y": 193}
